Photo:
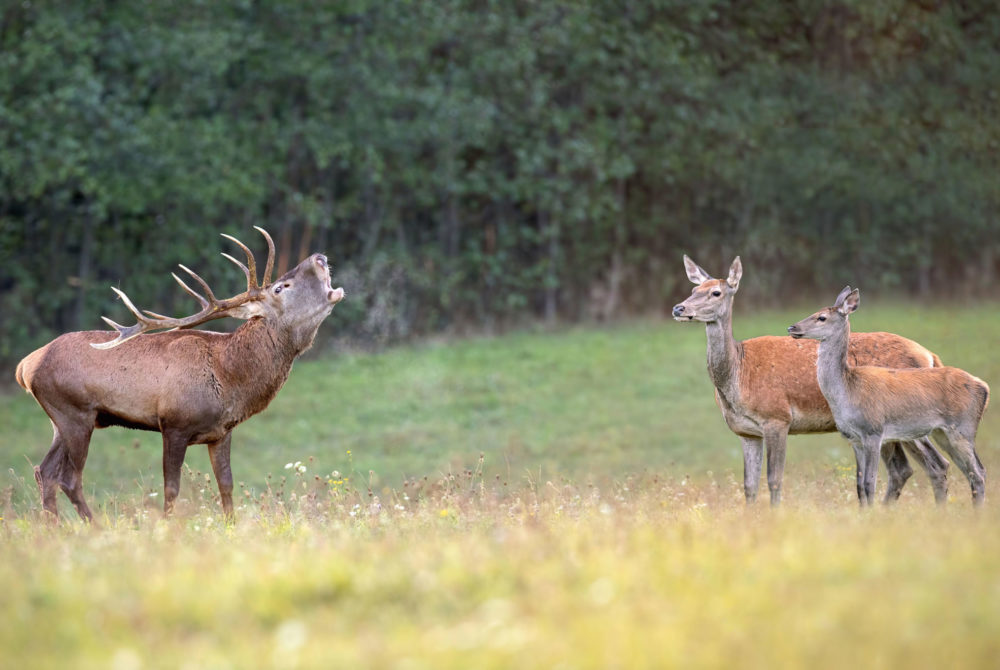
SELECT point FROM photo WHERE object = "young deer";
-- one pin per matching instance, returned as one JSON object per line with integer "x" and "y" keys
{"x": 872, "y": 404}
{"x": 193, "y": 386}
{"x": 766, "y": 387}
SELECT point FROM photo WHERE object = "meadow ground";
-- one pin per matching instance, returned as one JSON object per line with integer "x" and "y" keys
{"x": 550, "y": 499}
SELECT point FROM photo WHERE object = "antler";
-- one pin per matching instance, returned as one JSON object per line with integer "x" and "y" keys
{"x": 211, "y": 307}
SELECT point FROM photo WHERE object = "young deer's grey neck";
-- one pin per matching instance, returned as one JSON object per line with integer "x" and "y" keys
{"x": 723, "y": 353}
{"x": 831, "y": 367}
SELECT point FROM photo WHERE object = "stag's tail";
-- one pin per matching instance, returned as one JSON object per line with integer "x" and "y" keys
{"x": 26, "y": 369}
{"x": 19, "y": 375}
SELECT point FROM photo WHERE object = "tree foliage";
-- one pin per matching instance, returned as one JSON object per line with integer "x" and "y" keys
{"x": 476, "y": 162}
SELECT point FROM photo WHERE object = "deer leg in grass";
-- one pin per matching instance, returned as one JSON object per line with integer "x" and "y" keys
{"x": 62, "y": 467}
{"x": 753, "y": 461}
{"x": 775, "y": 436}
{"x": 47, "y": 475}
{"x": 860, "y": 456}
{"x": 962, "y": 451}
{"x": 72, "y": 482}
{"x": 898, "y": 468}
{"x": 174, "y": 448}
{"x": 218, "y": 453}
{"x": 871, "y": 445}
{"x": 935, "y": 465}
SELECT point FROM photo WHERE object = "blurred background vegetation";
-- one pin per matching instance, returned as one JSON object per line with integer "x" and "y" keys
{"x": 469, "y": 165}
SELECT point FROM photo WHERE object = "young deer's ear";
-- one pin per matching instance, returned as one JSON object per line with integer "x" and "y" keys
{"x": 735, "y": 272}
{"x": 851, "y": 302}
{"x": 694, "y": 271}
{"x": 841, "y": 296}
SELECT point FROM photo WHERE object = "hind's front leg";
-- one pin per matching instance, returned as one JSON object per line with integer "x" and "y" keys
{"x": 753, "y": 459}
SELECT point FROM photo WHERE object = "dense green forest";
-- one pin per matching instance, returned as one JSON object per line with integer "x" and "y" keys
{"x": 473, "y": 164}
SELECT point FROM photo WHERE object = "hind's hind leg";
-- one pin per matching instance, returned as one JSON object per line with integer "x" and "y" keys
{"x": 898, "y": 468}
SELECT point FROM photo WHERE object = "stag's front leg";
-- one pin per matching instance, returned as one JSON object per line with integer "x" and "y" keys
{"x": 753, "y": 461}
{"x": 218, "y": 453}
{"x": 775, "y": 436}
{"x": 174, "y": 447}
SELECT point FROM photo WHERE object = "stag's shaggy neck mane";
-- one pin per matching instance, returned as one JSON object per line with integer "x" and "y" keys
{"x": 257, "y": 360}
{"x": 724, "y": 354}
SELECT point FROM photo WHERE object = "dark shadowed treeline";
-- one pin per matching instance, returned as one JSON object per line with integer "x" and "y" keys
{"x": 480, "y": 163}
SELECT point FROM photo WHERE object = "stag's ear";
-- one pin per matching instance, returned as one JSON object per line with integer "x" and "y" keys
{"x": 735, "y": 272}
{"x": 694, "y": 272}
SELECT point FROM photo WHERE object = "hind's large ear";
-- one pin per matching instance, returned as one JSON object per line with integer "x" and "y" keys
{"x": 694, "y": 272}
{"x": 849, "y": 302}
{"x": 735, "y": 272}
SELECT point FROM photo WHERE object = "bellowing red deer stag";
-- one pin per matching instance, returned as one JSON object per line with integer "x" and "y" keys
{"x": 766, "y": 387}
{"x": 193, "y": 386}
{"x": 871, "y": 404}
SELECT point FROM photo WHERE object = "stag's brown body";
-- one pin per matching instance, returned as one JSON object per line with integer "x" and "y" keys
{"x": 192, "y": 386}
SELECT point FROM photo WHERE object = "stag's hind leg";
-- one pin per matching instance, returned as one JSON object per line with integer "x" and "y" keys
{"x": 898, "y": 468}
{"x": 63, "y": 465}
{"x": 928, "y": 457}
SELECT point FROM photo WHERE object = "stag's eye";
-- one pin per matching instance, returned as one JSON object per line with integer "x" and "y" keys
{"x": 716, "y": 293}
{"x": 277, "y": 289}
{"x": 821, "y": 317}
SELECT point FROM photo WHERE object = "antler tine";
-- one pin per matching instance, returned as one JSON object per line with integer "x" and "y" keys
{"x": 124, "y": 333}
{"x": 204, "y": 286}
{"x": 194, "y": 294}
{"x": 246, "y": 270}
{"x": 270, "y": 256}
{"x": 250, "y": 268}
{"x": 128, "y": 303}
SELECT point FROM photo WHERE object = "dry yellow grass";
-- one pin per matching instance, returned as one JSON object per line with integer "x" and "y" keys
{"x": 467, "y": 572}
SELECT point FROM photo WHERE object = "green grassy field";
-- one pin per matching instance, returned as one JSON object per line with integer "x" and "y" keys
{"x": 551, "y": 499}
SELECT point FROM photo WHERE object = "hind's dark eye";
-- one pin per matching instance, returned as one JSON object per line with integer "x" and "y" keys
{"x": 716, "y": 293}
{"x": 821, "y": 318}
